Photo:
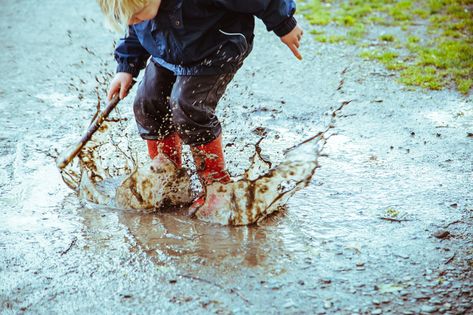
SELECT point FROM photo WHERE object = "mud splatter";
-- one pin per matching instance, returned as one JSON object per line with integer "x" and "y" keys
{"x": 251, "y": 198}
{"x": 109, "y": 175}
{"x": 159, "y": 184}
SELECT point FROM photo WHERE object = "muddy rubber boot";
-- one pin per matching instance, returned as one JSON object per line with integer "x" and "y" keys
{"x": 171, "y": 146}
{"x": 210, "y": 165}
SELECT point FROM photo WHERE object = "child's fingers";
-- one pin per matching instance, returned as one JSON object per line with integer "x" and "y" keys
{"x": 295, "y": 51}
{"x": 124, "y": 89}
{"x": 299, "y": 36}
{"x": 114, "y": 88}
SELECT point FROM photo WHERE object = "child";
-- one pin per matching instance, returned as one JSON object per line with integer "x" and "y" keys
{"x": 196, "y": 47}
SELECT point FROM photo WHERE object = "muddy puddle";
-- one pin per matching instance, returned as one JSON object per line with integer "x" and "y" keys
{"x": 123, "y": 183}
{"x": 245, "y": 228}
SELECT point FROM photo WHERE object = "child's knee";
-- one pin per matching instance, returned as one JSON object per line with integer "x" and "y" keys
{"x": 194, "y": 123}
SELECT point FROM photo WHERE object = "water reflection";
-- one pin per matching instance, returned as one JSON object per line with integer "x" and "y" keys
{"x": 174, "y": 237}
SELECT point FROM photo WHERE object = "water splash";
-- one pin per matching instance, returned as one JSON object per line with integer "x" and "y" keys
{"x": 159, "y": 184}
{"x": 107, "y": 174}
{"x": 247, "y": 200}
{"x": 251, "y": 198}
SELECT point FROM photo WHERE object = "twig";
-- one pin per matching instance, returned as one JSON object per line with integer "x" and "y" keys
{"x": 340, "y": 84}
{"x": 450, "y": 259}
{"x": 393, "y": 220}
{"x": 231, "y": 290}
{"x": 116, "y": 119}
{"x": 70, "y": 246}
{"x": 342, "y": 80}
{"x": 454, "y": 222}
{"x": 99, "y": 119}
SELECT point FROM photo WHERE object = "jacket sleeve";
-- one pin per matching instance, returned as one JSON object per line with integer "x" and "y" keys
{"x": 130, "y": 55}
{"x": 277, "y": 15}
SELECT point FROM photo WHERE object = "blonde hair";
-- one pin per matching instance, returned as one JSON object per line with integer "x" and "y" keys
{"x": 119, "y": 12}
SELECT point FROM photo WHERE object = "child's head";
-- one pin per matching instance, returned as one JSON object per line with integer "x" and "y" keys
{"x": 121, "y": 13}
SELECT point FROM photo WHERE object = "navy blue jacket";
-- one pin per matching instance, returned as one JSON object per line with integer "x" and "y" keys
{"x": 201, "y": 37}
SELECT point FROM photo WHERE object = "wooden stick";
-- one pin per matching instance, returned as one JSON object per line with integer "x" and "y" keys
{"x": 64, "y": 159}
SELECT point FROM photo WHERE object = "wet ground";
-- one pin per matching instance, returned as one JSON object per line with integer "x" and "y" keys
{"x": 384, "y": 227}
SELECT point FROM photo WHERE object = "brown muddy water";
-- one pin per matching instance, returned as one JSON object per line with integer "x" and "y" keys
{"x": 384, "y": 225}
{"x": 158, "y": 184}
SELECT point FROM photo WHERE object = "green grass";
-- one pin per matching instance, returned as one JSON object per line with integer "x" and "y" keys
{"x": 323, "y": 38}
{"x": 318, "y": 13}
{"x": 387, "y": 38}
{"x": 388, "y": 58}
{"x": 443, "y": 58}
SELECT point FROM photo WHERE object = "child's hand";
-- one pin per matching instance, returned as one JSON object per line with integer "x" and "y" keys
{"x": 293, "y": 39}
{"x": 120, "y": 84}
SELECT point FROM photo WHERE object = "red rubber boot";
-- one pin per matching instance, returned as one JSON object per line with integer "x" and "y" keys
{"x": 171, "y": 146}
{"x": 210, "y": 165}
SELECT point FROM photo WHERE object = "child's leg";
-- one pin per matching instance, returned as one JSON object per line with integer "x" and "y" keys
{"x": 153, "y": 113}
{"x": 151, "y": 105}
{"x": 193, "y": 102}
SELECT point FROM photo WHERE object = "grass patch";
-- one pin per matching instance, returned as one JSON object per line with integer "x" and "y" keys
{"x": 387, "y": 38}
{"x": 401, "y": 11}
{"x": 443, "y": 58}
{"x": 425, "y": 77}
{"x": 332, "y": 39}
{"x": 316, "y": 13}
{"x": 413, "y": 39}
{"x": 389, "y": 59}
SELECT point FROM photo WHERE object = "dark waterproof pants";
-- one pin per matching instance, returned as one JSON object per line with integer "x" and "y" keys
{"x": 166, "y": 103}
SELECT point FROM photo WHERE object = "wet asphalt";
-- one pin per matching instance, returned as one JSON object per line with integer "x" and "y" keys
{"x": 384, "y": 227}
